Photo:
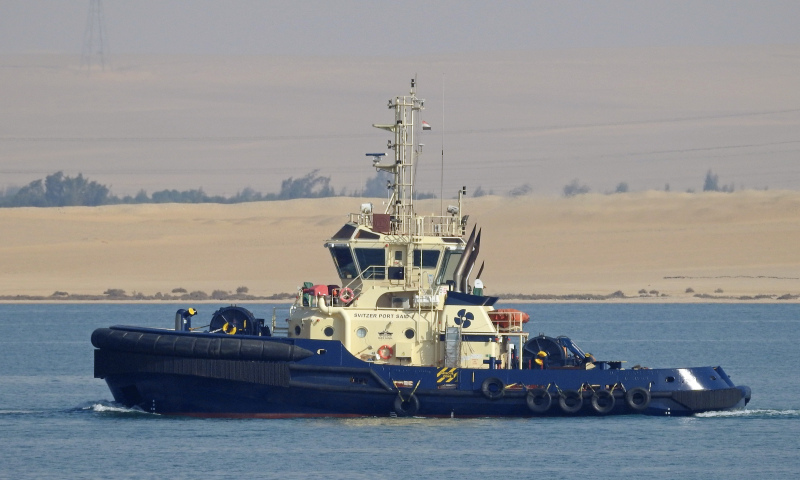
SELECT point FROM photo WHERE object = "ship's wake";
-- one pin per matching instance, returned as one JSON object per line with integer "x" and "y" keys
{"x": 106, "y": 407}
{"x": 754, "y": 413}
{"x": 96, "y": 406}
{"x": 17, "y": 412}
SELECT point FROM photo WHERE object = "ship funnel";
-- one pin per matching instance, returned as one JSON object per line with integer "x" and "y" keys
{"x": 473, "y": 257}
{"x": 461, "y": 267}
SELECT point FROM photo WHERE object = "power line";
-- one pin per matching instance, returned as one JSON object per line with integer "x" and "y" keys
{"x": 222, "y": 139}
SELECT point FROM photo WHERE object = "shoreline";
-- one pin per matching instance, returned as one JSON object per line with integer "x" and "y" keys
{"x": 572, "y": 298}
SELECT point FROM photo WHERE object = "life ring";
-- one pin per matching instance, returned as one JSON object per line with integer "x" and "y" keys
{"x": 385, "y": 352}
{"x": 603, "y": 402}
{"x": 346, "y": 295}
{"x": 570, "y": 401}
{"x": 406, "y": 407}
{"x": 637, "y": 399}
{"x": 538, "y": 400}
{"x": 493, "y": 388}
{"x": 229, "y": 328}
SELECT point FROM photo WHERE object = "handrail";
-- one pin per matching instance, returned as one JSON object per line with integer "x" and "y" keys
{"x": 417, "y": 225}
{"x": 275, "y": 327}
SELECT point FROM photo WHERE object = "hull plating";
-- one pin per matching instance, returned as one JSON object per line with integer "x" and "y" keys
{"x": 331, "y": 382}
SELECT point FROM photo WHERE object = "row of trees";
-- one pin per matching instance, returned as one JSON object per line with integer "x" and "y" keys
{"x": 59, "y": 190}
{"x": 710, "y": 184}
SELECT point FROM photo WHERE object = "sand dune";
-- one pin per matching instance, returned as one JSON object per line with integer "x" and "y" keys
{"x": 743, "y": 243}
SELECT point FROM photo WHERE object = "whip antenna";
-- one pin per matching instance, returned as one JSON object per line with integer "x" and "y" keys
{"x": 441, "y": 175}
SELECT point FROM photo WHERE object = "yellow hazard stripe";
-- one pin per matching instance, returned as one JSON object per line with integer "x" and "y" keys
{"x": 446, "y": 375}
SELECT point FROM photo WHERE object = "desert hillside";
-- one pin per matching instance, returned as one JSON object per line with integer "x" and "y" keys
{"x": 744, "y": 243}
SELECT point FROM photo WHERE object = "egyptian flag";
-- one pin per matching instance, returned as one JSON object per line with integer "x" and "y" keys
{"x": 425, "y": 125}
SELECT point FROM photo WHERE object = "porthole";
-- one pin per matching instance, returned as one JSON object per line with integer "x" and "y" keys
{"x": 297, "y": 330}
{"x": 328, "y": 331}
{"x": 713, "y": 377}
{"x": 410, "y": 333}
{"x": 321, "y": 351}
{"x": 361, "y": 332}
{"x": 670, "y": 379}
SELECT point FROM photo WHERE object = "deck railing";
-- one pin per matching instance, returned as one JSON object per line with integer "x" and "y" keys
{"x": 417, "y": 225}
{"x": 280, "y": 315}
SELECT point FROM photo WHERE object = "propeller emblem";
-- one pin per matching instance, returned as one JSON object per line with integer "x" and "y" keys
{"x": 464, "y": 318}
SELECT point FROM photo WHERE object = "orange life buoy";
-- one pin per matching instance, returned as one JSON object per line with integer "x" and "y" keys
{"x": 385, "y": 352}
{"x": 346, "y": 295}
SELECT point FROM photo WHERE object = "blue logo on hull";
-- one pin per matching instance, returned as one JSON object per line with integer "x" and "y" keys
{"x": 464, "y": 318}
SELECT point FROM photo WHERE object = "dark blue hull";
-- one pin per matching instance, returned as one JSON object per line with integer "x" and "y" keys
{"x": 168, "y": 372}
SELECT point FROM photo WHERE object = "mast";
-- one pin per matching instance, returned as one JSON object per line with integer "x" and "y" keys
{"x": 401, "y": 203}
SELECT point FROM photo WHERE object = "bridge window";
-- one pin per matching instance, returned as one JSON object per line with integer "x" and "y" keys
{"x": 448, "y": 268}
{"x": 343, "y": 260}
{"x": 426, "y": 258}
{"x": 372, "y": 262}
{"x": 345, "y": 232}
{"x": 367, "y": 235}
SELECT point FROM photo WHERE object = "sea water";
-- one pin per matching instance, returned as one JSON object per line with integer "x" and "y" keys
{"x": 57, "y": 421}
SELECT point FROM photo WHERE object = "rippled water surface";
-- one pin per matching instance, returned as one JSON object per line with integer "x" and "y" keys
{"x": 57, "y": 421}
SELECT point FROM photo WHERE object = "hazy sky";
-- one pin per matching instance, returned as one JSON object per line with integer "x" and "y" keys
{"x": 388, "y": 28}
{"x": 538, "y": 92}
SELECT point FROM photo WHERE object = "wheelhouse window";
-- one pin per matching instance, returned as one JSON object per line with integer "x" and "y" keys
{"x": 448, "y": 268}
{"x": 372, "y": 262}
{"x": 367, "y": 235}
{"x": 426, "y": 258}
{"x": 345, "y": 232}
{"x": 343, "y": 260}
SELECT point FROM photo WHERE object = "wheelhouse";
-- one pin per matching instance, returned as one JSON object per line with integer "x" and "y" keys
{"x": 361, "y": 256}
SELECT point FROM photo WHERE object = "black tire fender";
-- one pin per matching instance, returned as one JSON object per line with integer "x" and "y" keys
{"x": 637, "y": 399}
{"x": 570, "y": 401}
{"x": 493, "y": 388}
{"x": 603, "y": 402}
{"x": 406, "y": 407}
{"x": 538, "y": 400}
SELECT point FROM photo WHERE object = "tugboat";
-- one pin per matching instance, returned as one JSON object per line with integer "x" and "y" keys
{"x": 402, "y": 333}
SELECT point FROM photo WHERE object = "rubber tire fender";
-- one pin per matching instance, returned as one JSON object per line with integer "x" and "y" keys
{"x": 603, "y": 402}
{"x": 637, "y": 399}
{"x": 493, "y": 388}
{"x": 538, "y": 400}
{"x": 570, "y": 401}
{"x": 406, "y": 408}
